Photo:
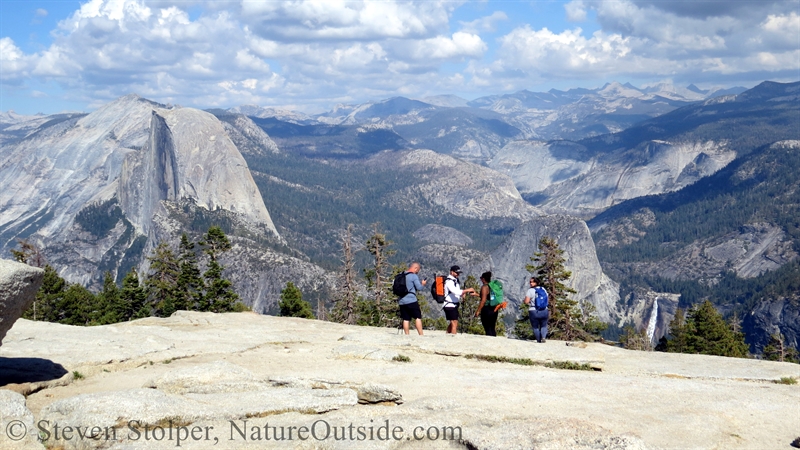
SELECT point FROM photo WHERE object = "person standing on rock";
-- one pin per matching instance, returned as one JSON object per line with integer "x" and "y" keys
{"x": 536, "y": 299}
{"x": 452, "y": 298}
{"x": 409, "y": 306}
{"x": 487, "y": 312}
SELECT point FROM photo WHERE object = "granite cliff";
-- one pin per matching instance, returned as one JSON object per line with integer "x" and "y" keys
{"x": 97, "y": 193}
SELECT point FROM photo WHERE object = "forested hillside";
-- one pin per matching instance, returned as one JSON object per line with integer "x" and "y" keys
{"x": 313, "y": 200}
{"x": 765, "y": 114}
{"x": 700, "y": 242}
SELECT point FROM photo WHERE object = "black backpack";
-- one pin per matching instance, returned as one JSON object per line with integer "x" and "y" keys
{"x": 399, "y": 287}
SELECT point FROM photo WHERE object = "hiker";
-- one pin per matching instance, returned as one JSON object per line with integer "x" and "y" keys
{"x": 486, "y": 310}
{"x": 409, "y": 306}
{"x": 453, "y": 294}
{"x": 536, "y": 299}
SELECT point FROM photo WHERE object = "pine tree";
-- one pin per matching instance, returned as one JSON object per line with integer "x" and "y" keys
{"x": 219, "y": 295}
{"x": 468, "y": 323}
{"x": 28, "y": 253}
{"x": 679, "y": 331}
{"x": 77, "y": 305}
{"x": 522, "y": 326}
{"x": 377, "y": 246}
{"x": 589, "y": 322}
{"x": 162, "y": 282}
{"x": 108, "y": 302}
{"x": 711, "y": 335}
{"x": 46, "y": 307}
{"x": 292, "y": 303}
{"x": 344, "y": 311}
{"x": 567, "y": 320}
{"x": 133, "y": 298}
{"x": 635, "y": 340}
{"x": 189, "y": 287}
{"x": 62, "y": 302}
{"x": 778, "y": 350}
{"x": 383, "y": 310}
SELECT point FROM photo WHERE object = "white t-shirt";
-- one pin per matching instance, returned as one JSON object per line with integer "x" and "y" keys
{"x": 452, "y": 292}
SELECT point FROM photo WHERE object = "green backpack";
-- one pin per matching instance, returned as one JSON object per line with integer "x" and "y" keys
{"x": 495, "y": 293}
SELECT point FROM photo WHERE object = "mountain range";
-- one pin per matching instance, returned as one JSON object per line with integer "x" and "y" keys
{"x": 448, "y": 180}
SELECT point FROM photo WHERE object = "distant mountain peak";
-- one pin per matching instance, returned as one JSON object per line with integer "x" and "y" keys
{"x": 694, "y": 88}
{"x": 447, "y": 101}
{"x": 616, "y": 89}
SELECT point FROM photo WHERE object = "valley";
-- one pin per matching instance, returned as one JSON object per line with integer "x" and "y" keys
{"x": 682, "y": 191}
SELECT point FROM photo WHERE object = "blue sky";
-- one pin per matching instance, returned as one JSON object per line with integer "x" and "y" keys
{"x": 312, "y": 55}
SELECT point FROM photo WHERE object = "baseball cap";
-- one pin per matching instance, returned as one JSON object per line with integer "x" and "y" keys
{"x": 455, "y": 269}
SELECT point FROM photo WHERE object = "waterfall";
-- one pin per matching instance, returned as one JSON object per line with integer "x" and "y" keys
{"x": 651, "y": 326}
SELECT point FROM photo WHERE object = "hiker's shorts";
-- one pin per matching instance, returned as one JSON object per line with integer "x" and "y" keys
{"x": 410, "y": 311}
{"x": 451, "y": 313}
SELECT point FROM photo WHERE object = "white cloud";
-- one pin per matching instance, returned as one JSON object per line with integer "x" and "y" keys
{"x": 487, "y": 23}
{"x": 649, "y": 48}
{"x": 781, "y": 31}
{"x": 117, "y": 47}
{"x": 40, "y": 12}
{"x": 16, "y": 65}
{"x": 564, "y": 54}
{"x": 323, "y": 49}
{"x": 315, "y": 51}
{"x": 646, "y": 42}
{"x": 576, "y": 11}
{"x": 460, "y": 45}
{"x": 344, "y": 20}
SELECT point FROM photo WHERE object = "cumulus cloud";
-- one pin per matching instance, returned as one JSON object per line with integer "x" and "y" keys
{"x": 569, "y": 53}
{"x": 650, "y": 39}
{"x": 706, "y": 9}
{"x": 325, "y": 19}
{"x": 16, "y": 65}
{"x": 487, "y": 23}
{"x": 576, "y": 11}
{"x": 323, "y": 51}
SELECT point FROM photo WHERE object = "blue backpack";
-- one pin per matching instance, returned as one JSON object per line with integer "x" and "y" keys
{"x": 540, "y": 302}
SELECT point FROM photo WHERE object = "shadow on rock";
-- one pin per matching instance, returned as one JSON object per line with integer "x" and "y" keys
{"x": 29, "y": 370}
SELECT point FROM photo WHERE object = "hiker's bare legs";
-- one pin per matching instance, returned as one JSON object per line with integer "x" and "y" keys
{"x": 417, "y": 325}
{"x": 452, "y": 327}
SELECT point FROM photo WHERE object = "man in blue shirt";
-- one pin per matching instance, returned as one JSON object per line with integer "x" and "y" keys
{"x": 409, "y": 306}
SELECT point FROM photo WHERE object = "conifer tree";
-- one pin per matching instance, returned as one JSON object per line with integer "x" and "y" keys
{"x": 567, "y": 321}
{"x": 711, "y": 335}
{"x": 108, "y": 302}
{"x": 28, "y": 253}
{"x": 679, "y": 331}
{"x": 46, "y": 307}
{"x": 189, "y": 287}
{"x": 778, "y": 350}
{"x": 383, "y": 310}
{"x": 292, "y": 303}
{"x": 468, "y": 323}
{"x": 704, "y": 331}
{"x": 219, "y": 295}
{"x": 635, "y": 340}
{"x": 76, "y": 305}
{"x": 133, "y": 298}
{"x": 162, "y": 282}
{"x": 62, "y": 302}
{"x": 522, "y": 326}
{"x": 344, "y": 311}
